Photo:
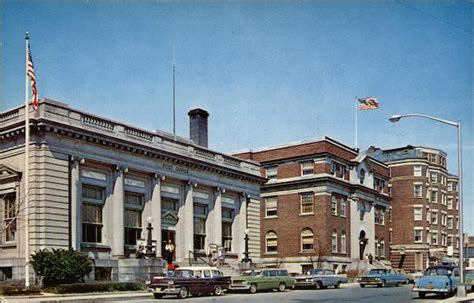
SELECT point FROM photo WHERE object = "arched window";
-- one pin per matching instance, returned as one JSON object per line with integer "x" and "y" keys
{"x": 307, "y": 240}
{"x": 377, "y": 247}
{"x": 334, "y": 242}
{"x": 362, "y": 176}
{"x": 271, "y": 240}
{"x": 343, "y": 243}
{"x": 382, "y": 248}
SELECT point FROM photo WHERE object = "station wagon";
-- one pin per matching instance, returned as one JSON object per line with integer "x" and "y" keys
{"x": 320, "y": 278}
{"x": 263, "y": 279}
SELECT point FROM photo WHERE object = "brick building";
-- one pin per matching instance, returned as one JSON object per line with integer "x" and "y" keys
{"x": 424, "y": 206}
{"x": 324, "y": 205}
{"x": 95, "y": 183}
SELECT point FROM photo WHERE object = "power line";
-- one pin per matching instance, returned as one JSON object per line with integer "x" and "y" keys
{"x": 435, "y": 17}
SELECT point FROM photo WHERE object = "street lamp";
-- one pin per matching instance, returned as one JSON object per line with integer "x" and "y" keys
{"x": 149, "y": 242}
{"x": 246, "y": 259}
{"x": 395, "y": 118}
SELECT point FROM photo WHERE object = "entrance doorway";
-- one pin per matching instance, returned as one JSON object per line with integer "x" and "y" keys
{"x": 362, "y": 244}
{"x": 168, "y": 236}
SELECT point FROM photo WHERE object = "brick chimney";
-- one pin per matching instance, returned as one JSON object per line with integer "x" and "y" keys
{"x": 198, "y": 126}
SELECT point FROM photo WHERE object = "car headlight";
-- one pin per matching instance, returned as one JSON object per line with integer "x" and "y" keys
{"x": 171, "y": 282}
{"x": 377, "y": 279}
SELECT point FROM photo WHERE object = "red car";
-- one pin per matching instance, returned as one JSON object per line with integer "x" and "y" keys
{"x": 191, "y": 281}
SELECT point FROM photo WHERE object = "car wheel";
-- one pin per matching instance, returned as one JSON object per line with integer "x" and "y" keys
{"x": 318, "y": 285}
{"x": 338, "y": 284}
{"x": 421, "y": 294}
{"x": 183, "y": 293}
{"x": 158, "y": 296}
{"x": 253, "y": 288}
{"x": 362, "y": 285}
{"x": 281, "y": 287}
{"x": 218, "y": 291}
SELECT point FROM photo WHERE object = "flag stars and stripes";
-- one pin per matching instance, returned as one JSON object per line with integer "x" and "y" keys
{"x": 368, "y": 103}
{"x": 30, "y": 72}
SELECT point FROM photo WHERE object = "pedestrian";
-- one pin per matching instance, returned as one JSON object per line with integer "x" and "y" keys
{"x": 371, "y": 259}
{"x": 169, "y": 252}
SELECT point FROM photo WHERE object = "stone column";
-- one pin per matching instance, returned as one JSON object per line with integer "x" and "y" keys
{"x": 185, "y": 226}
{"x": 216, "y": 219}
{"x": 155, "y": 211}
{"x": 76, "y": 215}
{"x": 117, "y": 231}
{"x": 240, "y": 245}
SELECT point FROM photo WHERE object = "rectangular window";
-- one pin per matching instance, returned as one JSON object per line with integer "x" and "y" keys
{"x": 434, "y": 217}
{"x": 343, "y": 244}
{"x": 271, "y": 207}
{"x": 92, "y": 204}
{"x": 434, "y": 238}
{"x": 333, "y": 205}
{"x": 169, "y": 204}
{"x": 9, "y": 217}
{"x": 450, "y": 186}
{"x": 417, "y": 191}
{"x": 133, "y": 226}
{"x": 379, "y": 184}
{"x": 443, "y": 199}
{"x": 343, "y": 208}
{"x": 307, "y": 203}
{"x": 227, "y": 236}
{"x": 432, "y": 158}
{"x": 199, "y": 233}
{"x": 434, "y": 177}
{"x": 418, "y": 213}
{"x": 307, "y": 168}
{"x": 271, "y": 173}
{"x": 338, "y": 170}
{"x": 334, "y": 243}
{"x": 450, "y": 222}
{"x": 417, "y": 171}
{"x": 227, "y": 213}
{"x": 418, "y": 236}
{"x": 434, "y": 197}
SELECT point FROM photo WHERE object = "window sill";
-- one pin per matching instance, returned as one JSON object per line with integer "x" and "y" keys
{"x": 271, "y": 217}
{"x": 95, "y": 245}
{"x": 307, "y": 251}
{"x": 334, "y": 215}
{"x": 8, "y": 245}
{"x": 271, "y": 253}
{"x": 306, "y": 214}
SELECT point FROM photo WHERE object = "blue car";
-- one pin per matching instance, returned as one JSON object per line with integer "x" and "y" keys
{"x": 382, "y": 277}
{"x": 438, "y": 279}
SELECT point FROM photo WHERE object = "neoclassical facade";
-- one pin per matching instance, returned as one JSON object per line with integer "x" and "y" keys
{"x": 95, "y": 184}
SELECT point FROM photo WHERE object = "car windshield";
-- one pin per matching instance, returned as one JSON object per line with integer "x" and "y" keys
{"x": 377, "y": 271}
{"x": 252, "y": 273}
{"x": 314, "y": 272}
{"x": 440, "y": 271}
{"x": 183, "y": 273}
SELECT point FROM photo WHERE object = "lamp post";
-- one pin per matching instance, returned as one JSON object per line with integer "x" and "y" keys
{"x": 395, "y": 118}
{"x": 246, "y": 259}
{"x": 149, "y": 240}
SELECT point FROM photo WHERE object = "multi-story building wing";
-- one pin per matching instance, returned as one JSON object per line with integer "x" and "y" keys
{"x": 95, "y": 184}
{"x": 424, "y": 204}
{"x": 324, "y": 205}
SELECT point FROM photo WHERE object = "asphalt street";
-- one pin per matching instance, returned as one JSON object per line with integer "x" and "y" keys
{"x": 347, "y": 293}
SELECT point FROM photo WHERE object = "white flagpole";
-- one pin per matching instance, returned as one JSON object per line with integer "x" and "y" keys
{"x": 174, "y": 99}
{"x": 27, "y": 168}
{"x": 356, "y": 122}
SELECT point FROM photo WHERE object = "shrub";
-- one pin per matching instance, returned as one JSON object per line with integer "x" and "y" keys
{"x": 124, "y": 286}
{"x": 98, "y": 287}
{"x": 82, "y": 287}
{"x": 18, "y": 290}
{"x": 60, "y": 266}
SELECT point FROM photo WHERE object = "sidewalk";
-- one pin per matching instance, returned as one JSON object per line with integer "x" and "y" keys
{"x": 75, "y": 298}
{"x": 468, "y": 298}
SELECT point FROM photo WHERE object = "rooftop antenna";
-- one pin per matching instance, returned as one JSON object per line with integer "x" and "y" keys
{"x": 174, "y": 92}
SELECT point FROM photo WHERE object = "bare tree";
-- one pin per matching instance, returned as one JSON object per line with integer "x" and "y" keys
{"x": 317, "y": 257}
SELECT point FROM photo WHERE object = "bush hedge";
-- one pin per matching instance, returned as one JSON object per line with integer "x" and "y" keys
{"x": 98, "y": 287}
{"x": 18, "y": 290}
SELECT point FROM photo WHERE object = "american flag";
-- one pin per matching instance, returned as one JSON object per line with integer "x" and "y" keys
{"x": 30, "y": 72}
{"x": 368, "y": 103}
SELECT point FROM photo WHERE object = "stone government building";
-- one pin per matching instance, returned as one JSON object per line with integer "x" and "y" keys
{"x": 95, "y": 183}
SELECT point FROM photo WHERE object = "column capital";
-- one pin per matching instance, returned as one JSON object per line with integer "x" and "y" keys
{"x": 81, "y": 160}
{"x": 220, "y": 190}
{"x": 159, "y": 177}
{"x": 121, "y": 168}
{"x": 192, "y": 183}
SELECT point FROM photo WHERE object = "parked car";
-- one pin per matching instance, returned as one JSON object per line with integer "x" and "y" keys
{"x": 401, "y": 271}
{"x": 191, "y": 281}
{"x": 320, "y": 278}
{"x": 262, "y": 279}
{"x": 441, "y": 279}
{"x": 382, "y": 277}
{"x": 469, "y": 278}
{"x": 413, "y": 276}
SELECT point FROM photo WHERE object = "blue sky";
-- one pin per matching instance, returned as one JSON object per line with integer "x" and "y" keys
{"x": 268, "y": 72}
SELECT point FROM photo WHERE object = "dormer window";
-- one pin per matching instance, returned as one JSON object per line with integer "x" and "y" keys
{"x": 379, "y": 184}
{"x": 362, "y": 176}
{"x": 271, "y": 173}
{"x": 338, "y": 169}
{"x": 307, "y": 168}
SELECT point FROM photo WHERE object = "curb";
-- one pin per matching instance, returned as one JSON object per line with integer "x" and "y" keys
{"x": 83, "y": 298}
